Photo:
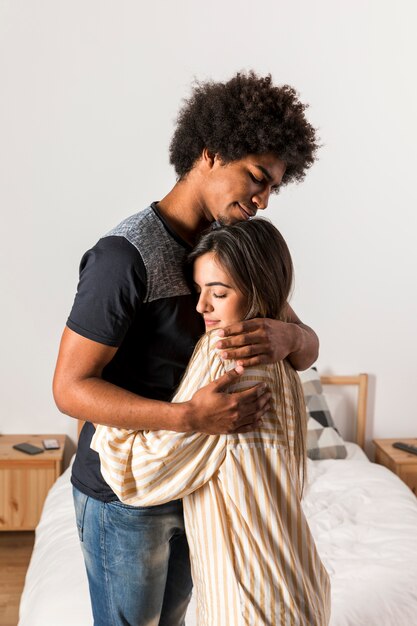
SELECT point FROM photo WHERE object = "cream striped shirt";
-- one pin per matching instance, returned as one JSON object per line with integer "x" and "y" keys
{"x": 254, "y": 561}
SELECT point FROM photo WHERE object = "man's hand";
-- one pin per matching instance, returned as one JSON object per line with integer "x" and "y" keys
{"x": 80, "y": 392}
{"x": 213, "y": 411}
{"x": 263, "y": 340}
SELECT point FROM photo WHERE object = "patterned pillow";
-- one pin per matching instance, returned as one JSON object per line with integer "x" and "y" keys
{"x": 323, "y": 439}
{"x": 324, "y": 442}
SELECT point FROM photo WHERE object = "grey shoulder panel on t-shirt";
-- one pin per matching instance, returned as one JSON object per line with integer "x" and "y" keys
{"x": 163, "y": 257}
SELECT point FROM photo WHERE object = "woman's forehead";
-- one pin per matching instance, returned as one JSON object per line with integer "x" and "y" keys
{"x": 208, "y": 268}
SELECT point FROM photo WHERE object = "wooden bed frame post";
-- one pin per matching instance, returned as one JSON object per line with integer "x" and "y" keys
{"x": 361, "y": 381}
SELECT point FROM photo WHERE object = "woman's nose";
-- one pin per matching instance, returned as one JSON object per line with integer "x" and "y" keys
{"x": 203, "y": 305}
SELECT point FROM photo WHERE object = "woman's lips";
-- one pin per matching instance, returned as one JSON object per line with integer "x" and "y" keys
{"x": 211, "y": 322}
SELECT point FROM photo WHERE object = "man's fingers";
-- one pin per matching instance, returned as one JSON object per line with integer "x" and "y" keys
{"x": 253, "y": 361}
{"x": 257, "y": 408}
{"x": 250, "y": 396}
{"x": 246, "y": 352}
{"x": 253, "y": 409}
{"x": 252, "y": 422}
{"x": 246, "y": 407}
{"x": 228, "y": 378}
{"x": 264, "y": 403}
{"x": 238, "y": 328}
{"x": 246, "y": 429}
{"x": 236, "y": 341}
{"x": 242, "y": 334}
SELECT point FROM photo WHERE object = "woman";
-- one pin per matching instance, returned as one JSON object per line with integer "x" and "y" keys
{"x": 253, "y": 557}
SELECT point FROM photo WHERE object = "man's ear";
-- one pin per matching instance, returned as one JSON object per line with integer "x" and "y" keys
{"x": 208, "y": 157}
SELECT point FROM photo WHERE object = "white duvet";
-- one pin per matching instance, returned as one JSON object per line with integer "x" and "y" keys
{"x": 364, "y": 520}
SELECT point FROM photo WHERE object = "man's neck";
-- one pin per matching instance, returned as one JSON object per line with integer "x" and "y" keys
{"x": 182, "y": 209}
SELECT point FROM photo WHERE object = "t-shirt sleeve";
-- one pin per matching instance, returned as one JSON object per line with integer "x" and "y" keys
{"x": 111, "y": 289}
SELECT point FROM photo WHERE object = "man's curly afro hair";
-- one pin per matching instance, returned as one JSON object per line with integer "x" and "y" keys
{"x": 246, "y": 115}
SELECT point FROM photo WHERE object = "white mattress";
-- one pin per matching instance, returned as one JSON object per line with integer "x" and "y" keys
{"x": 364, "y": 520}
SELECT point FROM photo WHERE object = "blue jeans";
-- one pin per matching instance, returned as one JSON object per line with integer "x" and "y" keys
{"x": 137, "y": 562}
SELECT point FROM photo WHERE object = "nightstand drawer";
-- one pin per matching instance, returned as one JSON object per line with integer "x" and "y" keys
{"x": 409, "y": 475}
{"x": 401, "y": 463}
{"x": 25, "y": 480}
{"x": 23, "y": 492}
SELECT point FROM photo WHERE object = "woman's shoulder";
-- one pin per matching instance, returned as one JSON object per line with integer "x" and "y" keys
{"x": 207, "y": 355}
{"x": 206, "y": 346}
{"x": 204, "y": 367}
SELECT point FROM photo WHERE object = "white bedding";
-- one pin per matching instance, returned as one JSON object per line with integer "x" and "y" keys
{"x": 364, "y": 520}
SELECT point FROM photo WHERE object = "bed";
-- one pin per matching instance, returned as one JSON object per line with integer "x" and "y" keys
{"x": 362, "y": 516}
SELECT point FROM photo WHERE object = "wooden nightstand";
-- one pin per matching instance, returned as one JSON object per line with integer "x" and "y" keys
{"x": 401, "y": 463}
{"x": 26, "y": 479}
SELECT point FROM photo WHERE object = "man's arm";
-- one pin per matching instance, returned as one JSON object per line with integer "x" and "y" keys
{"x": 80, "y": 392}
{"x": 263, "y": 340}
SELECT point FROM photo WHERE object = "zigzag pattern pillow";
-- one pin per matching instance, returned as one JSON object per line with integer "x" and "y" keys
{"x": 323, "y": 440}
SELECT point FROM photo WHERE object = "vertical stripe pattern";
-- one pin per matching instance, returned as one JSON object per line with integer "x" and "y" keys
{"x": 254, "y": 560}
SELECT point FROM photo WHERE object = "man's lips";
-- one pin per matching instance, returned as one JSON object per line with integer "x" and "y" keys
{"x": 247, "y": 213}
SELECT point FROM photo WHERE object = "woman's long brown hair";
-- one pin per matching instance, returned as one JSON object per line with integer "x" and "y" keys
{"x": 257, "y": 258}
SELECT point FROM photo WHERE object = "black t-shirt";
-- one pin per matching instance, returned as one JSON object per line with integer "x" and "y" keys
{"x": 133, "y": 294}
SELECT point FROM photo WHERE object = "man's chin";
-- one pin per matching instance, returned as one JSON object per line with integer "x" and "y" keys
{"x": 227, "y": 220}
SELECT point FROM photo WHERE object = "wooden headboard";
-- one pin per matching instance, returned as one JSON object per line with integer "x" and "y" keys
{"x": 360, "y": 381}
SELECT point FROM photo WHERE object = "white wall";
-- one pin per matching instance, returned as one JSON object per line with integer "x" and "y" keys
{"x": 90, "y": 90}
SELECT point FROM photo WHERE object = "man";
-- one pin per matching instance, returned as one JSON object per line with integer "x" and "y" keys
{"x": 133, "y": 327}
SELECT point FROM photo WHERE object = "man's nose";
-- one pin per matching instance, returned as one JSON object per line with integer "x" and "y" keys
{"x": 260, "y": 199}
